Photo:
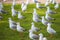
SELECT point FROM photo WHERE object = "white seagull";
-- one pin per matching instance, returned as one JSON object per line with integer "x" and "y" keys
{"x": 12, "y": 24}
{"x": 47, "y": 3}
{"x": 44, "y": 21}
{"x": 14, "y": 12}
{"x": 1, "y": 7}
{"x": 14, "y": 2}
{"x": 19, "y": 28}
{"x": 32, "y": 35}
{"x": 44, "y": 38}
{"x": 37, "y": 5}
{"x": 40, "y": 36}
{"x": 56, "y": 6}
{"x": 36, "y": 16}
{"x": 48, "y": 17}
{"x": 33, "y": 28}
{"x": 20, "y": 16}
{"x": 54, "y": 2}
{"x": 49, "y": 11}
{"x": 50, "y": 30}
{"x": 24, "y": 7}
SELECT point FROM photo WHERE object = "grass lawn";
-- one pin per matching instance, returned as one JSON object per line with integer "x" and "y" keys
{"x": 7, "y": 34}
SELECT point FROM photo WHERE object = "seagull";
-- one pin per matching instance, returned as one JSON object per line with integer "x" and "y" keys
{"x": 1, "y": 9}
{"x": 53, "y": 2}
{"x": 24, "y": 7}
{"x": 50, "y": 30}
{"x": 36, "y": 16}
{"x": 44, "y": 38}
{"x": 14, "y": 2}
{"x": 11, "y": 21}
{"x": 12, "y": 24}
{"x": 44, "y": 21}
{"x": 20, "y": 16}
{"x": 40, "y": 36}
{"x": 56, "y": 6}
{"x": 47, "y": 3}
{"x": 38, "y": 5}
{"x": 14, "y": 12}
{"x": 48, "y": 17}
{"x": 1, "y": 5}
{"x": 19, "y": 28}
{"x": 32, "y": 35}
{"x": 33, "y": 28}
{"x": 49, "y": 11}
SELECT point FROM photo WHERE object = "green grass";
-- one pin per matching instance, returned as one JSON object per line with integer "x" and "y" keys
{"x": 7, "y": 34}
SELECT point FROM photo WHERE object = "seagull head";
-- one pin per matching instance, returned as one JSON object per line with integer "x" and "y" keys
{"x": 42, "y": 17}
{"x": 32, "y": 23}
{"x": 57, "y": 3}
{"x": 40, "y": 34}
{"x": 48, "y": 8}
{"x": 34, "y": 9}
{"x": 44, "y": 38}
{"x": 23, "y": 2}
{"x": 49, "y": 24}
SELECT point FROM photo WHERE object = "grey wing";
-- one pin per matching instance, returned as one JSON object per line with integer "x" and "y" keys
{"x": 49, "y": 18}
{"x": 41, "y": 7}
{"x": 35, "y": 36}
{"x": 52, "y": 12}
{"x": 14, "y": 23}
{"x": 3, "y": 11}
{"x": 46, "y": 22}
{"x": 38, "y": 20}
{"x": 53, "y": 31}
{"x": 15, "y": 11}
{"x": 38, "y": 16}
{"x": 14, "y": 27}
{"x": 37, "y": 29}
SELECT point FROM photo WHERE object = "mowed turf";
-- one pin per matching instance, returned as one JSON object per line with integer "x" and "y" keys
{"x": 7, "y": 34}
